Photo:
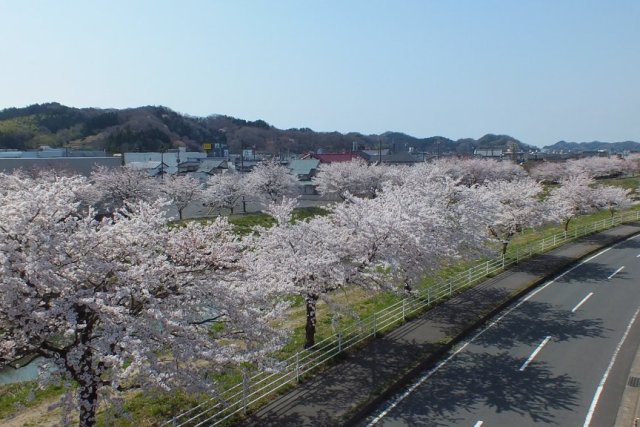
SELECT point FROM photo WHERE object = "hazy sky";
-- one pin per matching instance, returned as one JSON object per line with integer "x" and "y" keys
{"x": 539, "y": 70}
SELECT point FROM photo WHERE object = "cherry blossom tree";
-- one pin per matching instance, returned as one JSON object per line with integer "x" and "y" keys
{"x": 225, "y": 191}
{"x": 113, "y": 187}
{"x": 13, "y": 181}
{"x": 270, "y": 181}
{"x": 613, "y": 198}
{"x": 308, "y": 258}
{"x": 597, "y": 167}
{"x": 573, "y": 197}
{"x": 125, "y": 301}
{"x": 510, "y": 207}
{"x": 551, "y": 172}
{"x": 477, "y": 171}
{"x": 355, "y": 177}
{"x": 409, "y": 230}
{"x": 632, "y": 163}
{"x": 181, "y": 190}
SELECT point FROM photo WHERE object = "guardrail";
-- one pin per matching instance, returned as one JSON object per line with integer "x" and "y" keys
{"x": 262, "y": 385}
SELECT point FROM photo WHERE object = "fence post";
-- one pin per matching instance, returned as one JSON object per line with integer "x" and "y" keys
{"x": 429, "y": 296}
{"x": 503, "y": 255}
{"x": 554, "y": 240}
{"x": 487, "y": 273}
{"x": 245, "y": 391}
{"x": 450, "y": 288}
{"x": 339, "y": 342}
{"x": 469, "y": 278}
{"x": 404, "y": 302}
{"x": 297, "y": 366}
{"x": 174, "y": 421}
{"x": 375, "y": 324}
{"x": 517, "y": 255}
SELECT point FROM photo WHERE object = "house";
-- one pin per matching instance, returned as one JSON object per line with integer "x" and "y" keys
{"x": 243, "y": 166}
{"x": 304, "y": 170}
{"x": 375, "y": 153}
{"x": 333, "y": 157}
{"x": 488, "y": 152}
{"x": 188, "y": 165}
{"x": 152, "y": 168}
{"x": 213, "y": 166}
{"x": 210, "y": 167}
{"x": 401, "y": 158}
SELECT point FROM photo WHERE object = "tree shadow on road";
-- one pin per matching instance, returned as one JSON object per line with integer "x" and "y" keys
{"x": 590, "y": 273}
{"x": 474, "y": 380}
{"x": 465, "y": 309}
{"x": 533, "y": 320}
{"x": 549, "y": 264}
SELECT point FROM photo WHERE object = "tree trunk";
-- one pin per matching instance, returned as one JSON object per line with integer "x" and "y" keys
{"x": 87, "y": 380}
{"x": 407, "y": 287}
{"x": 566, "y": 224}
{"x": 310, "y": 328}
{"x": 180, "y": 214}
{"x": 504, "y": 248}
{"x": 86, "y": 375}
{"x": 88, "y": 393}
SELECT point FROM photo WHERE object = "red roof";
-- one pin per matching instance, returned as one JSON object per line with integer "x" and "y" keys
{"x": 336, "y": 157}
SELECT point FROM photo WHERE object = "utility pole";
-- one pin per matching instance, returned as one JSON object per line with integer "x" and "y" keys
{"x": 244, "y": 202}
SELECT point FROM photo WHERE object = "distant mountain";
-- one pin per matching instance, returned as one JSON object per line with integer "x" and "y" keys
{"x": 154, "y": 128}
{"x": 614, "y": 147}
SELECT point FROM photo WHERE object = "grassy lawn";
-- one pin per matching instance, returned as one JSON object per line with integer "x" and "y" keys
{"x": 25, "y": 395}
{"x": 629, "y": 183}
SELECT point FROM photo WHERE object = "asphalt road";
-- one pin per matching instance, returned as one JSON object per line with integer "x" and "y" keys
{"x": 560, "y": 356}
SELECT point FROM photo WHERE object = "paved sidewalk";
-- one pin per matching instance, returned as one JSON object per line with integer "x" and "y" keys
{"x": 629, "y": 411}
{"x": 343, "y": 394}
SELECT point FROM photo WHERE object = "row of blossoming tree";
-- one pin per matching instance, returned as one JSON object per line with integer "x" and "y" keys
{"x": 95, "y": 282}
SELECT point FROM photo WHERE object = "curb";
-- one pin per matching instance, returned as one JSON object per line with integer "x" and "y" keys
{"x": 407, "y": 378}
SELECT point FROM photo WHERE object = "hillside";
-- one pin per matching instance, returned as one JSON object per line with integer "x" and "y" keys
{"x": 154, "y": 128}
{"x": 615, "y": 147}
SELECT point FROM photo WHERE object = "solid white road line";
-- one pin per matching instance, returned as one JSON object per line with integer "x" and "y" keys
{"x": 616, "y": 272}
{"x": 534, "y": 354}
{"x": 478, "y": 424}
{"x": 582, "y": 302}
{"x": 596, "y": 397}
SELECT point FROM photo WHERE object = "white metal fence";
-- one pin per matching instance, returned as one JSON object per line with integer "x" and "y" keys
{"x": 262, "y": 385}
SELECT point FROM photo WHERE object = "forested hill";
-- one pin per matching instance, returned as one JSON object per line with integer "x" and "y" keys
{"x": 154, "y": 128}
{"x": 594, "y": 145}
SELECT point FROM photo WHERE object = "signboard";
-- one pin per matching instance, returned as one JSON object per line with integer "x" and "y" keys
{"x": 206, "y": 146}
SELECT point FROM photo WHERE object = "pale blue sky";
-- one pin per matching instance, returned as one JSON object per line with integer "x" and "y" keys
{"x": 539, "y": 70}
